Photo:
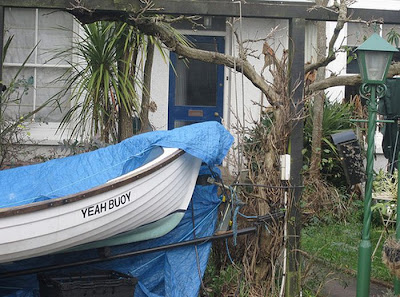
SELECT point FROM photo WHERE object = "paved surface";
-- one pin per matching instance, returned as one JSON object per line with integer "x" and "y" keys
{"x": 347, "y": 288}
{"x": 342, "y": 285}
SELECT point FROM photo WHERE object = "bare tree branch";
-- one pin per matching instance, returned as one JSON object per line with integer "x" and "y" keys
{"x": 348, "y": 80}
{"x": 155, "y": 26}
{"x": 333, "y": 81}
{"x": 150, "y": 26}
{"x": 342, "y": 19}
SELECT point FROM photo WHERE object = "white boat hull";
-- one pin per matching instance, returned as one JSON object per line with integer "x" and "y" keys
{"x": 138, "y": 198}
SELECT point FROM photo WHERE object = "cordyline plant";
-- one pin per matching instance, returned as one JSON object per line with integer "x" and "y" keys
{"x": 113, "y": 57}
{"x": 99, "y": 88}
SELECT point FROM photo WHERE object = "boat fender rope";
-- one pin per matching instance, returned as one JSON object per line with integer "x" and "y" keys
{"x": 228, "y": 252}
{"x": 203, "y": 180}
{"x": 237, "y": 205}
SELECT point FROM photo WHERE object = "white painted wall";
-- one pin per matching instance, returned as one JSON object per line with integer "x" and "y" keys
{"x": 338, "y": 66}
{"x": 159, "y": 92}
{"x": 239, "y": 93}
{"x": 242, "y": 98}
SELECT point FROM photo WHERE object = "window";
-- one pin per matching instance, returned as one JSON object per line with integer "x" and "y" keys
{"x": 38, "y": 34}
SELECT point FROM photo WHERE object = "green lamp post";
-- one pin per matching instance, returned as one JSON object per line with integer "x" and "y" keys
{"x": 374, "y": 57}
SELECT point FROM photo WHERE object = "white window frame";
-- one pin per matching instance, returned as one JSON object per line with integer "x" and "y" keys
{"x": 39, "y": 132}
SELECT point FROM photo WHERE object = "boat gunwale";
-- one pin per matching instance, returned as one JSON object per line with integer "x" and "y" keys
{"x": 119, "y": 182}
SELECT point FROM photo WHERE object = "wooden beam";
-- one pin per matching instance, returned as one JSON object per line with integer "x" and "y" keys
{"x": 227, "y": 8}
{"x": 101, "y": 5}
{"x": 296, "y": 58}
{"x": 388, "y": 16}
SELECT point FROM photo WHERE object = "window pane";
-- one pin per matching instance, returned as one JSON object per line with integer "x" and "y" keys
{"x": 20, "y": 23}
{"x": 178, "y": 124}
{"x": 20, "y": 101}
{"x": 55, "y": 35}
{"x": 196, "y": 82}
{"x": 53, "y": 30}
{"x": 47, "y": 88}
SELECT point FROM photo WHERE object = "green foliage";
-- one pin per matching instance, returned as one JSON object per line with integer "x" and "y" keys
{"x": 12, "y": 128}
{"x": 337, "y": 246}
{"x": 393, "y": 37}
{"x": 389, "y": 293}
{"x": 350, "y": 53}
{"x": 223, "y": 282}
{"x": 336, "y": 118}
{"x": 384, "y": 186}
{"x": 6, "y": 46}
{"x": 332, "y": 205}
{"x": 103, "y": 80}
{"x": 385, "y": 183}
{"x": 74, "y": 147}
{"x": 98, "y": 87}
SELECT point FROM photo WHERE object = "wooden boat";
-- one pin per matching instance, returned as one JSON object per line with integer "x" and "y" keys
{"x": 145, "y": 203}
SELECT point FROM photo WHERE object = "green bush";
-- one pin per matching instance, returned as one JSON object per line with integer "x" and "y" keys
{"x": 336, "y": 119}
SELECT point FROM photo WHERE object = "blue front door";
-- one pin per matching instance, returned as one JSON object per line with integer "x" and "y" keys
{"x": 195, "y": 87}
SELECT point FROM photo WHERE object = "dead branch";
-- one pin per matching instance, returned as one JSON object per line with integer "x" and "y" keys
{"x": 342, "y": 19}
{"x": 333, "y": 81}
{"x": 368, "y": 23}
{"x": 150, "y": 26}
{"x": 347, "y": 80}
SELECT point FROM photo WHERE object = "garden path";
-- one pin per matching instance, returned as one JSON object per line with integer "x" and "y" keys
{"x": 345, "y": 286}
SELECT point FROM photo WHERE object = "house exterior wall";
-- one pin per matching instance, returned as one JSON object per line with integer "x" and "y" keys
{"x": 242, "y": 100}
{"x": 239, "y": 93}
{"x": 240, "y": 96}
{"x": 159, "y": 92}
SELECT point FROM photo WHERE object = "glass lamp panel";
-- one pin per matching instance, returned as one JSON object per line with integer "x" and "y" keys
{"x": 361, "y": 65}
{"x": 376, "y": 64}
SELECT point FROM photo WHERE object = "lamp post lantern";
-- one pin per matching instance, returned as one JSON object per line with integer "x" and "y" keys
{"x": 374, "y": 57}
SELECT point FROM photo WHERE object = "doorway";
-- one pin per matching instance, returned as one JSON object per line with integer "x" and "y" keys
{"x": 196, "y": 87}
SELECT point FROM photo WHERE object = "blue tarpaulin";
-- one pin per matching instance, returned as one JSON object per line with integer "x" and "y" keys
{"x": 173, "y": 272}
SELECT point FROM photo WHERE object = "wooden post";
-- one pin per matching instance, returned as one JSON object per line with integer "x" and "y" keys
{"x": 296, "y": 57}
